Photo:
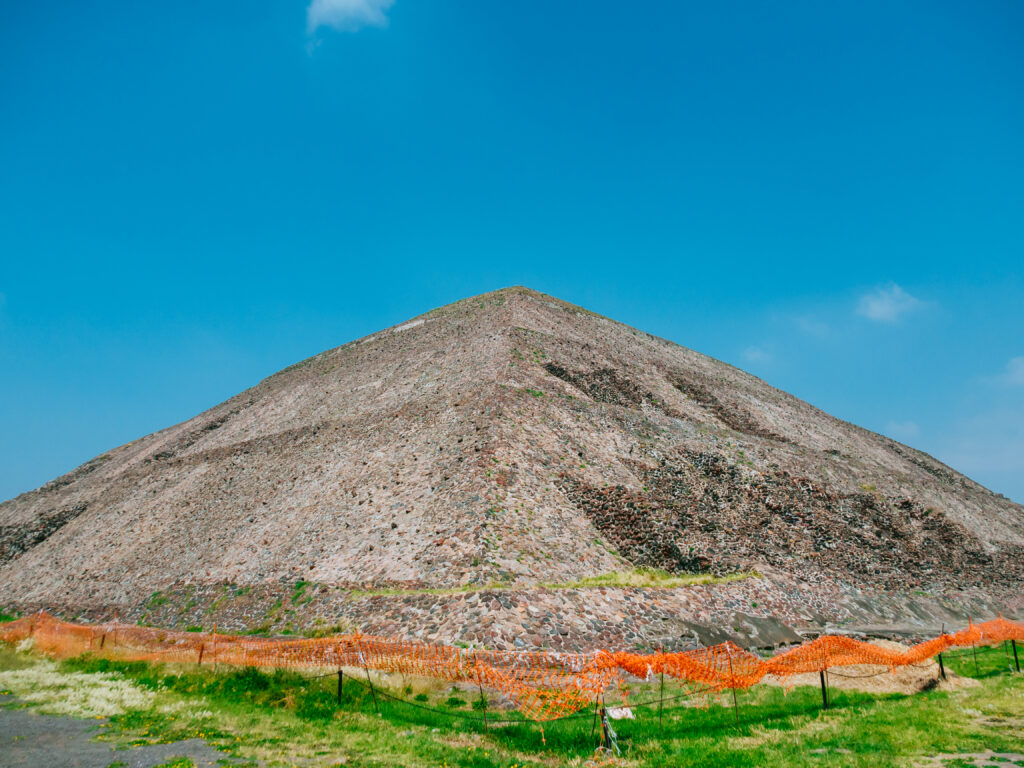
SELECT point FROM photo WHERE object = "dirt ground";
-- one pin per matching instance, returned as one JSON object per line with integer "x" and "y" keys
{"x": 979, "y": 760}
{"x": 31, "y": 740}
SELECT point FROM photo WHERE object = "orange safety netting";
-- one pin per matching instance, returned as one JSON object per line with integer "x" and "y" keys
{"x": 543, "y": 685}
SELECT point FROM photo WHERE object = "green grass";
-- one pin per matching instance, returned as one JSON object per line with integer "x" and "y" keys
{"x": 260, "y": 629}
{"x": 322, "y": 629}
{"x": 650, "y": 577}
{"x": 298, "y": 592}
{"x": 4, "y": 617}
{"x": 491, "y": 586}
{"x": 986, "y": 663}
{"x": 638, "y": 577}
{"x": 282, "y": 718}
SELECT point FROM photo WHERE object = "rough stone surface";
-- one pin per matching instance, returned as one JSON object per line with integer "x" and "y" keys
{"x": 519, "y": 439}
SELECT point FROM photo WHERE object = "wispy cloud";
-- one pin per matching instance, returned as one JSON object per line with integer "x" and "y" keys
{"x": 812, "y": 326}
{"x": 757, "y": 355}
{"x": 887, "y": 304}
{"x": 1013, "y": 376}
{"x": 347, "y": 15}
{"x": 902, "y": 430}
{"x": 989, "y": 447}
{"x": 986, "y": 441}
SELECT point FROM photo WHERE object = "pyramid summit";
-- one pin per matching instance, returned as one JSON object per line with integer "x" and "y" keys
{"x": 512, "y": 439}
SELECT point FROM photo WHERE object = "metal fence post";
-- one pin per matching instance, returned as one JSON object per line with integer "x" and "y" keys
{"x": 732, "y": 680}
{"x": 373, "y": 693}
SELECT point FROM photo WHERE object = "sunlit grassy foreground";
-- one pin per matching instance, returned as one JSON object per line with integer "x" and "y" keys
{"x": 282, "y": 719}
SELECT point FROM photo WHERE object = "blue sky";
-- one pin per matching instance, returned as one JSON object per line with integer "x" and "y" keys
{"x": 195, "y": 195}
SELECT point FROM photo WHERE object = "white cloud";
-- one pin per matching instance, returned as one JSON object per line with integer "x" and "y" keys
{"x": 812, "y": 326}
{"x": 902, "y": 430}
{"x": 757, "y": 355}
{"x": 1014, "y": 374}
{"x": 347, "y": 15}
{"x": 988, "y": 447}
{"x": 887, "y": 304}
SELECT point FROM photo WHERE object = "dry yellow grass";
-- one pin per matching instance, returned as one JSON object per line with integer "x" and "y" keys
{"x": 652, "y": 578}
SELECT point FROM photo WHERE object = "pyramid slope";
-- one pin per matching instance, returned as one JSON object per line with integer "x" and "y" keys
{"x": 508, "y": 437}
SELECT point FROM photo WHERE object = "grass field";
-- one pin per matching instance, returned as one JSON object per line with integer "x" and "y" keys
{"x": 283, "y": 719}
{"x": 636, "y": 577}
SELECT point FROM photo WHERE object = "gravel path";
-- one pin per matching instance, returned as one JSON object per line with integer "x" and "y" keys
{"x": 31, "y": 740}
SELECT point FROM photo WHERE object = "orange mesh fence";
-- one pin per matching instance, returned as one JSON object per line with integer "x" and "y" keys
{"x": 543, "y": 685}
{"x": 714, "y": 668}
